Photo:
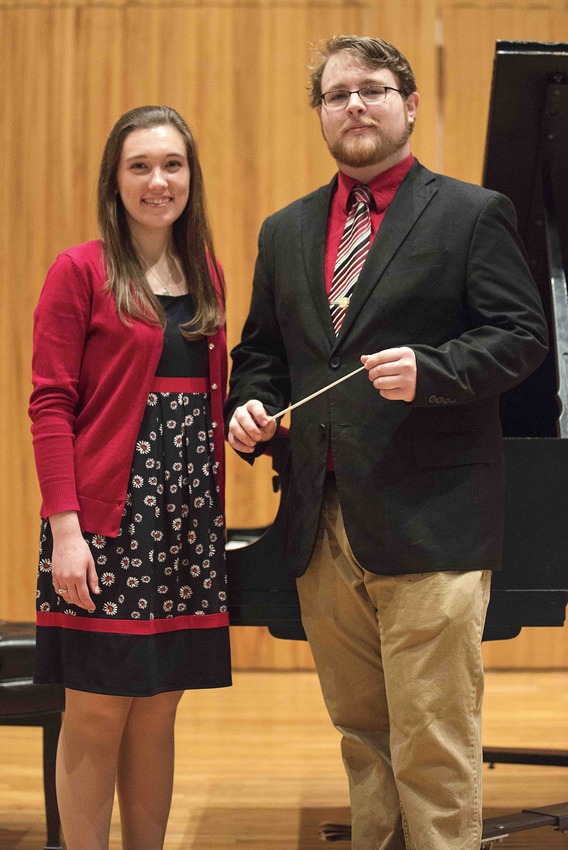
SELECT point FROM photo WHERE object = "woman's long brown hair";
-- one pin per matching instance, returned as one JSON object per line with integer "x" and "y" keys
{"x": 192, "y": 239}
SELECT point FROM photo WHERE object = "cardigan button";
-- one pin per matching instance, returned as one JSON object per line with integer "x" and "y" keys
{"x": 335, "y": 362}
{"x": 211, "y": 346}
{"x": 213, "y": 386}
{"x": 214, "y": 424}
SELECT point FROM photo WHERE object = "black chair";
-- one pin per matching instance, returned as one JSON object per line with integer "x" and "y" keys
{"x": 22, "y": 703}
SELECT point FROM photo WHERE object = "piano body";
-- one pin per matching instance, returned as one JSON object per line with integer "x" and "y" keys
{"x": 526, "y": 159}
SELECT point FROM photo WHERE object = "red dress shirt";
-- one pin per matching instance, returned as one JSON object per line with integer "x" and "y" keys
{"x": 383, "y": 187}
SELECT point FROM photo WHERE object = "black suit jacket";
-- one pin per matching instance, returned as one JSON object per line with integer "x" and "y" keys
{"x": 420, "y": 484}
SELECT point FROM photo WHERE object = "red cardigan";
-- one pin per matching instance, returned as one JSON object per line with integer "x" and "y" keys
{"x": 91, "y": 375}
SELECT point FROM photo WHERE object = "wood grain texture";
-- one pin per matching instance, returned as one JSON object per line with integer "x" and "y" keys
{"x": 258, "y": 765}
{"x": 236, "y": 70}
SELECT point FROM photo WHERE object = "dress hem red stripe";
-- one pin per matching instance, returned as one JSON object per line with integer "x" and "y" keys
{"x": 132, "y": 627}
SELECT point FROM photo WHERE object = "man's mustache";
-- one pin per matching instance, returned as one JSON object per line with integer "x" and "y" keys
{"x": 350, "y": 125}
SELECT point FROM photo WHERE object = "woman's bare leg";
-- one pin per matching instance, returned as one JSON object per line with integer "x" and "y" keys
{"x": 146, "y": 769}
{"x": 87, "y": 759}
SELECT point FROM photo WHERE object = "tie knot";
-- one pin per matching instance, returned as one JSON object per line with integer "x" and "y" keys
{"x": 361, "y": 194}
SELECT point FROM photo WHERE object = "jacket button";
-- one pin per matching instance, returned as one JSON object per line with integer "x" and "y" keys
{"x": 335, "y": 362}
{"x": 323, "y": 429}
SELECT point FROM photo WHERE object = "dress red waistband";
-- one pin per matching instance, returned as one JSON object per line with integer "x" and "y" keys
{"x": 179, "y": 385}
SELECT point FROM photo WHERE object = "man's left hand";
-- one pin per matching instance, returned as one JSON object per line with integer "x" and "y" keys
{"x": 392, "y": 372}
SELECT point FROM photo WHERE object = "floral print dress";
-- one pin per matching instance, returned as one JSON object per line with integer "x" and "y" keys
{"x": 161, "y": 620}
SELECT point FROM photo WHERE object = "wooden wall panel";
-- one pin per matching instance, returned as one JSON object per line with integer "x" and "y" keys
{"x": 237, "y": 72}
{"x": 533, "y": 649}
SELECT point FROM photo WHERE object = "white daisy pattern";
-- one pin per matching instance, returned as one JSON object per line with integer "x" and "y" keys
{"x": 171, "y": 520}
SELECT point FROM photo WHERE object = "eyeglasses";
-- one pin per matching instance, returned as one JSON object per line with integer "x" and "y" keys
{"x": 339, "y": 98}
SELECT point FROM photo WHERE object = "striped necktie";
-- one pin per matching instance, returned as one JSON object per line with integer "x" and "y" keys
{"x": 352, "y": 253}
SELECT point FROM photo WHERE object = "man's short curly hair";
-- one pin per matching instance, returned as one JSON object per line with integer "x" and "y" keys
{"x": 365, "y": 51}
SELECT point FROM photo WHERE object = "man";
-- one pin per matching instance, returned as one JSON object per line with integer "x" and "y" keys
{"x": 395, "y": 510}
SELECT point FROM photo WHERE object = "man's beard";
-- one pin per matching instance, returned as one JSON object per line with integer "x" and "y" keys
{"x": 370, "y": 149}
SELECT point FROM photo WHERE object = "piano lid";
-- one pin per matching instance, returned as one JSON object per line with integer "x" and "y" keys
{"x": 522, "y": 71}
{"x": 525, "y": 159}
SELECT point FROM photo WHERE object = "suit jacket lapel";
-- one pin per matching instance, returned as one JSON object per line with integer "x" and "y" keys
{"x": 414, "y": 194}
{"x": 315, "y": 211}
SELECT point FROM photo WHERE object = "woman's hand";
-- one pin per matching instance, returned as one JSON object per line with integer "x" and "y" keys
{"x": 73, "y": 568}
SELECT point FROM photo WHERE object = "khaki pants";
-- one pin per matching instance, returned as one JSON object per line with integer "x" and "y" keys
{"x": 399, "y": 661}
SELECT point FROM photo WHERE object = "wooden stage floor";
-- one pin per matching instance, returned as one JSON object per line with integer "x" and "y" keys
{"x": 258, "y": 765}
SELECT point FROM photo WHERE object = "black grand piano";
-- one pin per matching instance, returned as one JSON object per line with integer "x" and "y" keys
{"x": 526, "y": 159}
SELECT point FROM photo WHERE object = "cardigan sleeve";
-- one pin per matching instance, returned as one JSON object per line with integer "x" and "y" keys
{"x": 61, "y": 322}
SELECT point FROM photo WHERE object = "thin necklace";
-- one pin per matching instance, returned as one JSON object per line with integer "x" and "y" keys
{"x": 165, "y": 286}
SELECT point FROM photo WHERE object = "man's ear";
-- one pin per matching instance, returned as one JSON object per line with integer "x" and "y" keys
{"x": 412, "y": 103}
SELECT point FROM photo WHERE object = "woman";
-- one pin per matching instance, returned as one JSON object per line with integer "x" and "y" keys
{"x": 129, "y": 372}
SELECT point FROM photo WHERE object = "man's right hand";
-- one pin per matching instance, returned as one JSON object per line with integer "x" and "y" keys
{"x": 249, "y": 425}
